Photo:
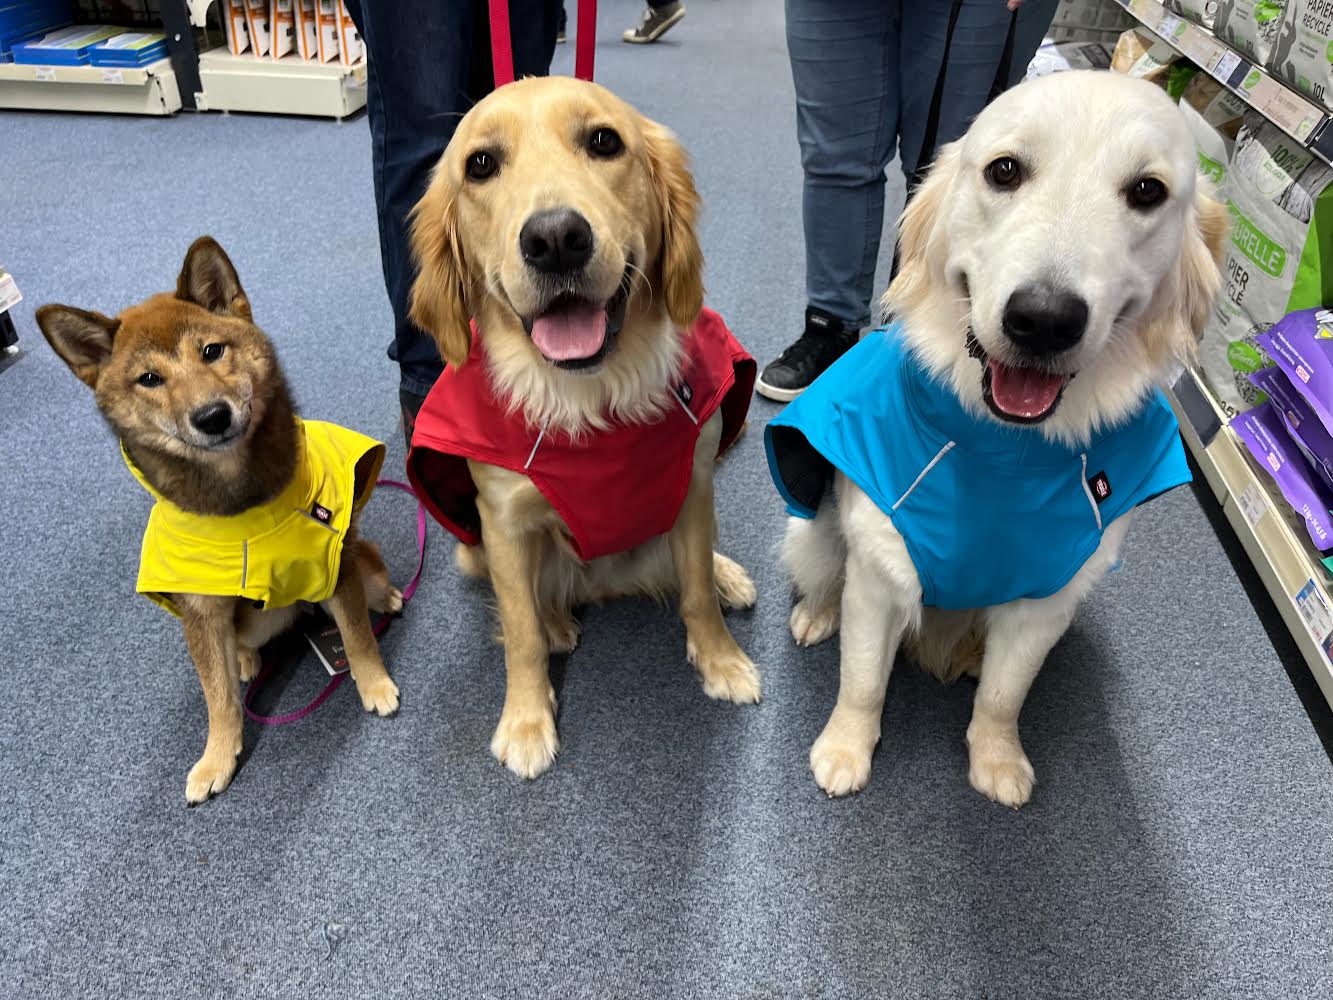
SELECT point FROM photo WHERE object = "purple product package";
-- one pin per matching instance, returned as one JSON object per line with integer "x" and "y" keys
{"x": 1302, "y": 345}
{"x": 1303, "y": 426}
{"x": 1265, "y": 435}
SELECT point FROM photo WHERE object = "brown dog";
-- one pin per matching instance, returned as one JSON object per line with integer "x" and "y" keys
{"x": 563, "y": 221}
{"x": 256, "y": 509}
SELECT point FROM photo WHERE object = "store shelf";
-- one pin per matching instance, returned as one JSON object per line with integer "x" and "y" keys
{"x": 288, "y": 86}
{"x": 1293, "y": 112}
{"x": 150, "y": 90}
{"x": 1270, "y": 534}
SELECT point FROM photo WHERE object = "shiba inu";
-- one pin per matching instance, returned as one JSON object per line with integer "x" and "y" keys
{"x": 256, "y": 510}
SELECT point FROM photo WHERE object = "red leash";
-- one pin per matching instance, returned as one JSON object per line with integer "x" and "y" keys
{"x": 502, "y": 49}
{"x": 336, "y": 681}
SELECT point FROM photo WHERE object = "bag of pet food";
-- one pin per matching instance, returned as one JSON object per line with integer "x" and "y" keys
{"x": 1303, "y": 425}
{"x": 1265, "y": 436}
{"x": 1279, "y": 257}
{"x": 1303, "y": 52}
{"x": 1301, "y": 345}
{"x": 1143, "y": 55}
{"x": 1249, "y": 26}
{"x": 1198, "y": 11}
{"x": 1056, "y": 57}
{"x": 1214, "y": 115}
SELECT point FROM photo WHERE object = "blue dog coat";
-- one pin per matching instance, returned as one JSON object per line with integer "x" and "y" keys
{"x": 990, "y": 512}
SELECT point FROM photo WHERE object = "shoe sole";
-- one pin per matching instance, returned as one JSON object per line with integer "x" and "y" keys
{"x": 774, "y": 393}
{"x": 661, "y": 30}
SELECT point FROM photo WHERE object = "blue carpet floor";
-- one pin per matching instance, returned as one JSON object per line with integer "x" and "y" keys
{"x": 1178, "y": 844}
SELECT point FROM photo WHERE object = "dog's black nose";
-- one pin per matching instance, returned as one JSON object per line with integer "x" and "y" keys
{"x": 556, "y": 241}
{"x": 1044, "y": 319}
{"x": 212, "y": 418}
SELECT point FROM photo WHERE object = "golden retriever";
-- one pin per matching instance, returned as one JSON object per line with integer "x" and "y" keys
{"x": 563, "y": 222}
{"x": 1062, "y": 236}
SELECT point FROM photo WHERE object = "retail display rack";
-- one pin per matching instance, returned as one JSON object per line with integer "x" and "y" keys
{"x": 213, "y": 80}
{"x": 1270, "y": 533}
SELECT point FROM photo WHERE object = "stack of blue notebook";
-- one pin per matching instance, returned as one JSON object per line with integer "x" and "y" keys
{"x": 133, "y": 48}
{"x": 66, "y": 47}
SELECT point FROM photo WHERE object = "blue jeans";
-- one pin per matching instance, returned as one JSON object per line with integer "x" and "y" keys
{"x": 864, "y": 72}
{"x": 429, "y": 61}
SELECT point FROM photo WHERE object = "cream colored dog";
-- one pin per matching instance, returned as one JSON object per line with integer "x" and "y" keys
{"x": 1082, "y": 184}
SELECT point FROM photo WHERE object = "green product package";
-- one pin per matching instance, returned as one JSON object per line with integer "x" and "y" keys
{"x": 1279, "y": 256}
{"x": 1303, "y": 52}
{"x": 1249, "y": 26}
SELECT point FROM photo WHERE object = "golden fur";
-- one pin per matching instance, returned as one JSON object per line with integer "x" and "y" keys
{"x": 642, "y": 207}
{"x": 166, "y": 335}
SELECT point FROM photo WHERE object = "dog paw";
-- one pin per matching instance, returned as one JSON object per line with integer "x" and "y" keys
{"x": 249, "y": 662}
{"x": 211, "y": 774}
{"x": 391, "y": 603}
{"x": 562, "y": 633}
{"x": 840, "y": 766}
{"x": 526, "y": 741}
{"x": 379, "y": 695}
{"x": 999, "y": 769}
{"x": 728, "y": 675}
{"x": 811, "y": 625}
{"x": 735, "y": 589}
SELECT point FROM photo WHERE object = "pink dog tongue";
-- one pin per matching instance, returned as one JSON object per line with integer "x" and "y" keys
{"x": 571, "y": 332}
{"x": 1025, "y": 393}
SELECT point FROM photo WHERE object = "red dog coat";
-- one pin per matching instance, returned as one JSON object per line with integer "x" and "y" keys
{"x": 614, "y": 489}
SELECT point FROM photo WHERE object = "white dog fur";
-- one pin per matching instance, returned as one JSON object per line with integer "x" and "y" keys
{"x": 1148, "y": 278}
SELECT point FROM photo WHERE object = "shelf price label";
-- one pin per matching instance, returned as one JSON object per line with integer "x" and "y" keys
{"x": 44, "y": 74}
{"x": 1316, "y": 615}
{"x": 110, "y": 75}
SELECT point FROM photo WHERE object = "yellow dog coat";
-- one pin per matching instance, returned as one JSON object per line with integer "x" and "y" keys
{"x": 275, "y": 554}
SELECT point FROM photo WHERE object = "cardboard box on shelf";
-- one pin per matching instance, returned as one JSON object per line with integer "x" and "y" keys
{"x": 256, "y": 19}
{"x": 282, "y": 28}
{"x": 326, "y": 30}
{"x": 351, "y": 50}
{"x": 307, "y": 33}
{"x": 233, "y": 21}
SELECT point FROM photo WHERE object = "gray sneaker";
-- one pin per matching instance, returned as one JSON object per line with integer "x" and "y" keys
{"x": 655, "y": 22}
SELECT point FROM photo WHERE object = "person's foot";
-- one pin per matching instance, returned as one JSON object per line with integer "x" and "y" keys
{"x": 825, "y": 340}
{"x": 411, "y": 405}
{"x": 655, "y": 22}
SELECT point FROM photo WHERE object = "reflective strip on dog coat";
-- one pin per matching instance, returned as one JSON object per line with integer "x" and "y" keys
{"x": 614, "y": 489}
{"x": 990, "y": 512}
{"x": 280, "y": 552}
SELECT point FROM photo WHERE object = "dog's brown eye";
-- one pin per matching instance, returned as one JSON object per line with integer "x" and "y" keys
{"x": 1147, "y": 192}
{"x": 213, "y": 351}
{"x": 1004, "y": 172}
{"x": 481, "y": 165}
{"x": 605, "y": 142}
{"x": 150, "y": 380}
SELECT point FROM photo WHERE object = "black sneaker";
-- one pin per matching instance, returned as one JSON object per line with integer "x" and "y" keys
{"x": 825, "y": 340}
{"x": 655, "y": 22}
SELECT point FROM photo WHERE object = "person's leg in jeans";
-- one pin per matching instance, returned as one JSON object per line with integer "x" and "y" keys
{"x": 974, "y": 58}
{"x": 659, "y": 17}
{"x": 844, "y": 56}
{"x": 429, "y": 61}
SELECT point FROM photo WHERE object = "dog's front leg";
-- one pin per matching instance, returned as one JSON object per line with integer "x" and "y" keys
{"x": 210, "y": 635}
{"x": 875, "y": 615}
{"x": 525, "y": 741}
{"x": 1019, "y": 636}
{"x": 727, "y": 673}
{"x": 348, "y": 606}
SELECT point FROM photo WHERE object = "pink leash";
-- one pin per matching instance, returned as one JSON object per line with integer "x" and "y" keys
{"x": 336, "y": 681}
{"x": 502, "y": 49}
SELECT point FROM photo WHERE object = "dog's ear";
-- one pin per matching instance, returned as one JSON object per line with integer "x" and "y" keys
{"x": 208, "y": 279}
{"x": 439, "y": 293}
{"x": 81, "y": 338}
{"x": 1183, "y": 303}
{"x": 916, "y": 231}
{"x": 1201, "y": 259}
{"x": 681, "y": 260}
